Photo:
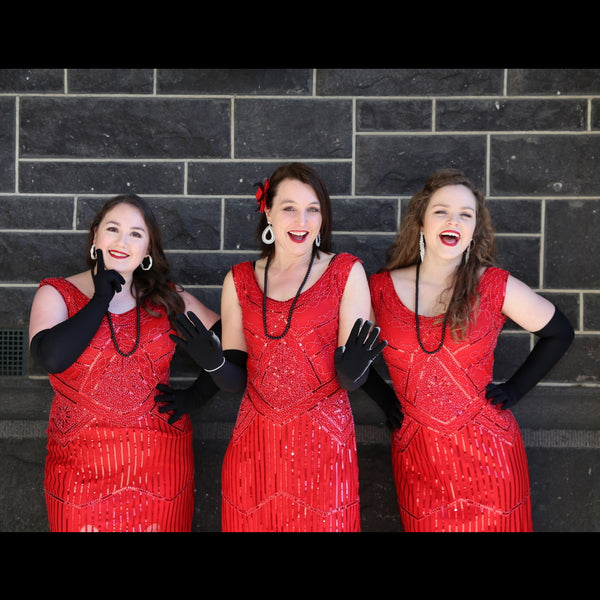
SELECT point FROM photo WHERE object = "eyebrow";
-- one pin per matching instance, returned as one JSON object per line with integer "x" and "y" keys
{"x": 119, "y": 224}
{"x": 292, "y": 201}
{"x": 443, "y": 205}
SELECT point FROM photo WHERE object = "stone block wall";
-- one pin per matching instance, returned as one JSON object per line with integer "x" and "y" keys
{"x": 193, "y": 142}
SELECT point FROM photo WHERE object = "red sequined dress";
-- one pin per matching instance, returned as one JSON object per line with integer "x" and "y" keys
{"x": 114, "y": 463}
{"x": 459, "y": 462}
{"x": 291, "y": 462}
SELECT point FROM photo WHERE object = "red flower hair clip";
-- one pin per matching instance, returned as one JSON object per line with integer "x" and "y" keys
{"x": 261, "y": 195}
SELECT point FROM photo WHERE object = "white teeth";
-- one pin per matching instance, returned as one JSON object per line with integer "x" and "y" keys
{"x": 450, "y": 233}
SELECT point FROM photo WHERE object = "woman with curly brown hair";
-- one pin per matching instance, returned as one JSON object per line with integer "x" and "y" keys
{"x": 117, "y": 460}
{"x": 458, "y": 457}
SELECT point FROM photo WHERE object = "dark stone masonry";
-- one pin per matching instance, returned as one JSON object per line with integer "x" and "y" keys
{"x": 193, "y": 142}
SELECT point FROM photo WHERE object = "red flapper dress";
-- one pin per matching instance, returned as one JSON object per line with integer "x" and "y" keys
{"x": 459, "y": 462}
{"x": 291, "y": 463}
{"x": 114, "y": 463}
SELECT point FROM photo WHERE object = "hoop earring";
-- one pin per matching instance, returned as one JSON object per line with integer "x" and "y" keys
{"x": 268, "y": 237}
{"x": 422, "y": 246}
{"x": 318, "y": 239}
{"x": 93, "y": 254}
{"x": 149, "y": 264}
{"x": 468, "y": 251}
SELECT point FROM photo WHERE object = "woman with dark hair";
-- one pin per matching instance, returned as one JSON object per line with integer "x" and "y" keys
{"x": 300, "y": 315}
{"x": 116, "y": 461}
{"x": 458, "y": 458}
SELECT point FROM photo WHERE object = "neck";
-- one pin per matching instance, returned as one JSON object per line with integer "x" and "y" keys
{"x": 283, "y": 261}
{"x": 439, "y": 271}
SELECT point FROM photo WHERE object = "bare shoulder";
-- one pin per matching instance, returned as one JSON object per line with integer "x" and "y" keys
{"x": 83, "y": 282}
{"x": 405, "y": 276}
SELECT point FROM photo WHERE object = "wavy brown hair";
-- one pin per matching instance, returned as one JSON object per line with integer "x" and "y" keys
{"x": 405, "y": 250}
{"x": 155, "y": 285}
{"x": 309, "y": 176}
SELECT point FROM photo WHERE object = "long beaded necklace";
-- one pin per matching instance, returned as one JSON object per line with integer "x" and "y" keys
{"x": 417, "y": 319}
{"x": 137, "y": 336}
{"x": 264, "y": 302}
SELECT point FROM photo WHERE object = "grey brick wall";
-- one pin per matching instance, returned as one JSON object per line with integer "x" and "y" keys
{"x": 194, "y": 141}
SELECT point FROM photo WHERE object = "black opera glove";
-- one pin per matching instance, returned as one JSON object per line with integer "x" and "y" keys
{"x": 385, "y": 397}
{"x": 555, "y": 337}
{"x": 57, "y": 348}
{"x": 502, "y": 394}
{"x": 188, "y": 400}
{"x": 352, "y": 361}
{"x": 202, "y": 345}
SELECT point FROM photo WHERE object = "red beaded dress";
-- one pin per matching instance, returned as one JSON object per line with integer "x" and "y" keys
{"x": 459, "y": 462}
{"x": 291, "y": 463}
{"x": 114, "y": 463}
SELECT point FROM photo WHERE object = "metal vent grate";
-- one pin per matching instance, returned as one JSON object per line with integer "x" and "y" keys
{"x": 13, "y": 352}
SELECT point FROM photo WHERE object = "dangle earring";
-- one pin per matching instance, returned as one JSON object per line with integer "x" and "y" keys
{"x": 149, "y": 264}
{"x": 268, "y": 237}
{"x": 318, "y": 239}
{"x": 468, "y": 251}
{"x": 93, "y": 252}
{"x": 422, "y": 246}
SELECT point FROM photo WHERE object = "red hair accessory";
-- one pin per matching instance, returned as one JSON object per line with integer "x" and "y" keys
{"x": 261, "y": 195}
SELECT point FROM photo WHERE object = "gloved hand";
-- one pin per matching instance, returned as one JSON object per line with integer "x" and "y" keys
{"x": 503, "y": 394}
{"x": 188, "y": 400}
{"x": 353, "y": 360}
{"x": 202, "y": 345}
{"x": 106, "y": 282}
{"x": 555, "y": 337}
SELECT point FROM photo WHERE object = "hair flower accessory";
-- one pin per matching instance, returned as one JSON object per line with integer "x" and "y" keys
{"x": 261, "y": 195}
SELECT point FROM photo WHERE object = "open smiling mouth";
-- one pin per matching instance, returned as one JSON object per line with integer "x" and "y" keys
{"x": 450, "y": 238}
{"x": 118, "y": 255}
{"x": 298, "y": 236}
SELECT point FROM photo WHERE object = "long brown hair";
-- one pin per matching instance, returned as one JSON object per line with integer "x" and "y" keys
{"x": 155, "y": 285}
{"x": 309, "y": 176}
{"x": 405, "y": 250}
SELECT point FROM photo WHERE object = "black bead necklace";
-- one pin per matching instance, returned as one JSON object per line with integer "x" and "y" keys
{"x": 137, "y": 336}
{"x": 417, "y": 319}
{"x": 264, "y": 302}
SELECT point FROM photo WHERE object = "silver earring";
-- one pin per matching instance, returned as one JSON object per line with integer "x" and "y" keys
{"x": 422, "y": 246}
{"x": 268, "y": 237}
{"x": 468, "y": 251}
{"x": 93, "y": 252}
{"x": 149, "y": 263}
{"x": 318, "y": 239}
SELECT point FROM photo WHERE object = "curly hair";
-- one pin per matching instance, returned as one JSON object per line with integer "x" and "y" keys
{"x": 404, "y": 251}
{"x": 307, "y": 175}
{"x": 155, "y": 285}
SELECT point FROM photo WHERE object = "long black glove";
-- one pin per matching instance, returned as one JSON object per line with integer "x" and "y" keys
{"x": 555, "y": 337}
{"x": 385, "y": 397}
{"x": 57, "y": 348}
{"x": 191, "y": 399}
{"x": 204, "y": 347}
{"x": 353, "y": 360}
{"x": 188, "y": 400}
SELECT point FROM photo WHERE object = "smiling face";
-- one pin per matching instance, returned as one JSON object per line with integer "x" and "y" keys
{"x": 123, "y": 237}
{"x": 295, "y": 215}
{"x": 449, "y": 221}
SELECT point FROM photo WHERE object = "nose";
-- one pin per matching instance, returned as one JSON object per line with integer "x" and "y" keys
{"x": 122, "y": 238}
{"x": 453, "y": 217}
{"x": 301, "y": 217}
